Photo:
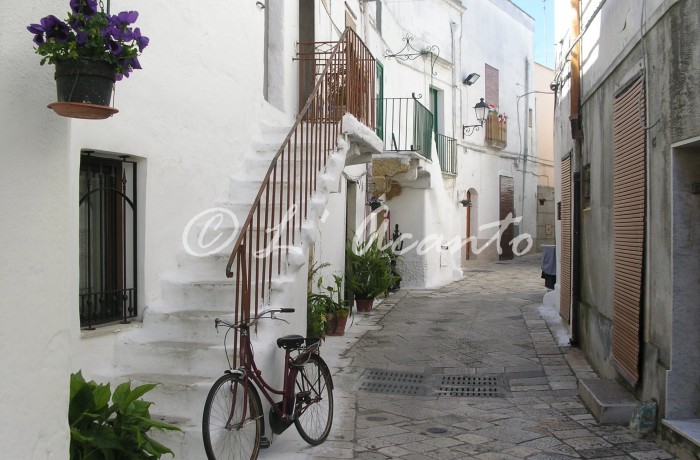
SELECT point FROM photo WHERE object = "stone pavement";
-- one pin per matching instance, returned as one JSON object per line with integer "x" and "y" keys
{"x": 476, "y": 369}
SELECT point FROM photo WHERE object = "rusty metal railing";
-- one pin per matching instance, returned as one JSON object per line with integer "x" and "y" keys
{"x": 407, "y": 125}
{"x": 447, "y": 153}
{"x": 339, "y": 78}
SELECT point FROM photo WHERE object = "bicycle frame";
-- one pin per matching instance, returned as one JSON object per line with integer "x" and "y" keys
{"x": 251, "y": 373}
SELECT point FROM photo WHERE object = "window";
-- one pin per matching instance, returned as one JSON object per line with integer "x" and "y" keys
{"x": 107, "y": 240}
{"x": 491, "y": 83}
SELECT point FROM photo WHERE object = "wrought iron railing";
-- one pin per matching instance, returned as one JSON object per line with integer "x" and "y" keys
{"x": 343, "y": 82}
{"x": 447, "y": 153}
{"x": 496, "y": 130}
{"x": 407, "y": 125}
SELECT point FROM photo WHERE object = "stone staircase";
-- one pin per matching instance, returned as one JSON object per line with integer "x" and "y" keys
{"x": 177, "y": 345}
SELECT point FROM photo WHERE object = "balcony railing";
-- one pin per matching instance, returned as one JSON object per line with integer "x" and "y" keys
{"x": 496, "y": 130}
{"x": 447, "y": 153}
{"x": 407, "y": 126}
{"x": 342, "y": 72}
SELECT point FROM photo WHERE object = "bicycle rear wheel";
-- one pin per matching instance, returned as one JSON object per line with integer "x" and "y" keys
{"x": 232, "y": 426}
{"x": 314, "y": 401}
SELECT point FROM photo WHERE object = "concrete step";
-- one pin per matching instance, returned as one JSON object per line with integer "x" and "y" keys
{"x": 609, "y": 402}
{"x": 134, "y": 356}
{"x": 185, "y": 325}
{"x": 683, "y": 436}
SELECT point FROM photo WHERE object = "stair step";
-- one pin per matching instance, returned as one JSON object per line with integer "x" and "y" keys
{"x": 185, "y": 325}
{"x": 609, "y": 402}
{"x": 684, "y": 436}
{"x": 134, "y": 356}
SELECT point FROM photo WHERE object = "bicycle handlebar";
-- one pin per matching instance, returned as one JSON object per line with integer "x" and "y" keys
{"x": 270, "y": 311}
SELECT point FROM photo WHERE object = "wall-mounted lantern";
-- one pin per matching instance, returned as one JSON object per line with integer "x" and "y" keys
{"x": 481, "y": 109}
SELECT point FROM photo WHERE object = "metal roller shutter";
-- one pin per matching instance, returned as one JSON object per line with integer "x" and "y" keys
{"x": 565, "y": 283}
{"x": 629, "y": 203}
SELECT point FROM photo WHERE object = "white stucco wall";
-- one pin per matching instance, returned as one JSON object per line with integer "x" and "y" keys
{"x": 39, "y": 247}
{"x": 499, "y": 34}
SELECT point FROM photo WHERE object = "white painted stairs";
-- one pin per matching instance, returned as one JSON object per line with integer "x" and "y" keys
{"x": 177, "y": 345}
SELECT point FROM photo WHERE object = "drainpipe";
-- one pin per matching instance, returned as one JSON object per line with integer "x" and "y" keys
{"x": 526, "y": 136}
{"x": 577, "y": 136}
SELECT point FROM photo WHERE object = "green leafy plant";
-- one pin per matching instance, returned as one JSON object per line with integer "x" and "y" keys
{"x": 324, "y": 301}
{"x": 118, "y": 431}
{"x": 368, "y": 269}
{"x": 89, "y": 32}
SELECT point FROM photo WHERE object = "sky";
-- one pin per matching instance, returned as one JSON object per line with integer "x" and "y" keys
{"x": 544, "y": 28}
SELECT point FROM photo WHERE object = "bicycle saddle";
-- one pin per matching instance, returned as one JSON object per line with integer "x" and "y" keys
{"x": 290, "y": 342}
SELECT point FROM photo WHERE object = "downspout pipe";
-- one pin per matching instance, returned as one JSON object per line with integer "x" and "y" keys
{"x": 576, "y": 167}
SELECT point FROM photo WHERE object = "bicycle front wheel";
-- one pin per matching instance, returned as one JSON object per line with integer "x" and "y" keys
{"x": 232, "y": 420}
{"x": 314, "y": 401}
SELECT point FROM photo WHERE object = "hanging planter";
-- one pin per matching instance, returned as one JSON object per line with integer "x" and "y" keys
{"x": 465, "y": 203}
{"x": 91, "y": 50}
{"x": 84, "y": 89}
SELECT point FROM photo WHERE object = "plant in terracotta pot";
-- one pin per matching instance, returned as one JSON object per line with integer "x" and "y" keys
{"x": 91, "y": 50}
{"x": 368, "y": 272}
{"x": 326, "y": 310}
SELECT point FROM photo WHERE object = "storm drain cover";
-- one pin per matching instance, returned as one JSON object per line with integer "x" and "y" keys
{"x": 416, "y": 384}
{"x": 396, "y": 377}
{"x": 393, "y": 388}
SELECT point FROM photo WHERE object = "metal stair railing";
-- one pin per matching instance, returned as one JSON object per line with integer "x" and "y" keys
{"x": 343, "y": 81}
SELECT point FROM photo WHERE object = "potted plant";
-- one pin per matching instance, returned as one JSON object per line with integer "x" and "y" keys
{"x": 336, "y": 310}
{"x": 465, "y": 202}
{"x": 326, "y": 311}
{"x": 368, "y": 271}
{"x": 91, "y": 50}
{"x": 374, "y": 203}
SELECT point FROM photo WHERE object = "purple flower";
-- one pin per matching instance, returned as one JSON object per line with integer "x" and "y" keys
{"x": 86, "y": 7}
{"x": 114, "y": 47}
{"x": 128, "y": 17}
{"x": 81, "y": 37}
{"x": 55, "y": 28}
{"x": 141, "y": 40}
{"x": 38, "y": 32}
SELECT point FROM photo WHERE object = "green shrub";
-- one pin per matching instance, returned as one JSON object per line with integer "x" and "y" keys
{"x": 100, "y": 431}
{"x": 368, "y": 269}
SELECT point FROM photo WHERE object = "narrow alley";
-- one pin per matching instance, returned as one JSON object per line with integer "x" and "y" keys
{"x": 477, "y": 369}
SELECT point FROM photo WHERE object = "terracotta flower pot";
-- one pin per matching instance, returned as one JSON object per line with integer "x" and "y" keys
{"x": 335, "y": 324}
{"x": 364, "y": 305}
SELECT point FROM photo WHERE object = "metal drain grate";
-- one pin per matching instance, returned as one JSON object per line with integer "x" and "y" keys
{"x": 397, "y": 377}
{"x": 469, "y": 380}
{"x": 469, "y": 391}
{"x": 415, "y": 384}
{"x": 470, "y": 385}
{"x": 393, "y": 388}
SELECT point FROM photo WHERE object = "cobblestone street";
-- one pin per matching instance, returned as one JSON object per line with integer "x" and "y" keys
{"x": 406, "y": 388}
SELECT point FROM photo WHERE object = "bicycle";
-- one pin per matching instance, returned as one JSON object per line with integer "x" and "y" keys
{"x": 233, "y": 423}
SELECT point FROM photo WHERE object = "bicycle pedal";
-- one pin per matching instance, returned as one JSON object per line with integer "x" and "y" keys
{"x": 265, "y": 443}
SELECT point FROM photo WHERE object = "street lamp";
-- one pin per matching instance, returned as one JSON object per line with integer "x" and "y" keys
{"x": 481, "y": 109}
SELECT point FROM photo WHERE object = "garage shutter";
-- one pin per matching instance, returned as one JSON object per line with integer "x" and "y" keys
{"x": 629, "y": 194}
{"x": 565, "y": 283}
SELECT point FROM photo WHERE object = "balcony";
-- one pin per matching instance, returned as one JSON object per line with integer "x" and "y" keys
{"x": 447, "y": 153}
{"x": 405, "y": 125}
{"x": 496, "y": 130}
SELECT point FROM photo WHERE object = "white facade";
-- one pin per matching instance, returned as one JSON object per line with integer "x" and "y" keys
{"x": 498, "y": 34}
{"x": 194, "y": 120}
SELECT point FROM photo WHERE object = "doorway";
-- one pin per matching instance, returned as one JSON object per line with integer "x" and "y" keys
{"x": 683, "y": 400}
{"x": 506, "y": 206}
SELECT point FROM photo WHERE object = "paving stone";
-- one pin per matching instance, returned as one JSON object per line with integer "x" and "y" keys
{"x": 482, "y": 324}
{"x": 601, "y": 453}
